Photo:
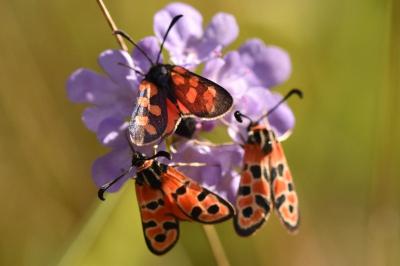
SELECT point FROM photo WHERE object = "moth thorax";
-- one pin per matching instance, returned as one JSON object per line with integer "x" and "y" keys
{"x": 260, "y": 137}
{"x": 151, "y": 174}
{"x": 144, "y": 165}
{"x": 159, "y": 75}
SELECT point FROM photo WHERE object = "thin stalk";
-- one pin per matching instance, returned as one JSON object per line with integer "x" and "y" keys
{"x": 112, "y": 24}
{"x": 216, "y": 245}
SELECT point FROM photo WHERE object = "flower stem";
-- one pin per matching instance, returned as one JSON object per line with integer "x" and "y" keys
{"x": 112, "y": 24}
{"x": 216, "y": 245}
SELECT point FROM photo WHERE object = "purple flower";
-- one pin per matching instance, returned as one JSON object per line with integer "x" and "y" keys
{"x": 218, "y": 174}
{"x": 248, "y": 74}
{"x": 269, "y": 65}
{"x": 254, "y": 104}
{"x": 187, "y": 43}
{"x": 111, "y": 96}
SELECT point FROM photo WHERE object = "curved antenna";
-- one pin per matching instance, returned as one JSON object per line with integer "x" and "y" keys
{"x": 284, "y": 99}
{"x": 106, "y": 186}
{"x": 238, "y": 116}
{"x": 137, "y": 71}
{"x": 129, "y": 39}
{"x": 173, "y": 21}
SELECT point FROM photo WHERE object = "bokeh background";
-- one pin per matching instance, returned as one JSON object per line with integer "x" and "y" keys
{"x": 344, "y": 152}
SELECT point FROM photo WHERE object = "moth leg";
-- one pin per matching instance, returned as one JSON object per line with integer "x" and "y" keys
{"x": 193, "y": 164}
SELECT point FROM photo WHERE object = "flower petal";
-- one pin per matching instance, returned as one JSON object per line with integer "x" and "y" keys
{"x": 188, "y": 28}
{"x": 282, "y": 120}
{"x": 151, "y": 47}
{"x": 108, "y": 167}
{"x": 228, "y": 187}
{"x": 86, "y": 86}
{"x": 93, "y": 116}
{"x": 269, "y": 65}
{"x": 219, "y": 161}
{"x": 112, "y": 132}
{"x": 222, "y": 30}
{"x": 111, "y": 165}
{"x": 125, "y": 77}
{"x": 212, "y": 67}
{"x": 256, "y": 102}
{"x": 229, "y": 73}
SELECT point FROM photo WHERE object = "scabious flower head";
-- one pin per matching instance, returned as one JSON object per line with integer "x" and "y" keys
{"x": 248, "y": 74}
{"x": 187, "y": 43}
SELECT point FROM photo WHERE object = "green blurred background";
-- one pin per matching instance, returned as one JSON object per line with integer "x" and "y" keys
{"x": 344, "y": 152}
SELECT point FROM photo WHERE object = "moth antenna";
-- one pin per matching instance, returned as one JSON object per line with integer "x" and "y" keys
{"x": 106, "y": 186}
{"x": 137, "y": 71}
{"x": 284, "y": 99}
{"x": 129, "y": 39}
{"x": 238, "y": 116}
{"x": 173, "y": 21}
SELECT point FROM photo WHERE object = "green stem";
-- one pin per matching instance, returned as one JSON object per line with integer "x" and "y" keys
{"x": 112, "y": 24}
{"x": 216, "y": 245}
{"x": 87, "y": 236}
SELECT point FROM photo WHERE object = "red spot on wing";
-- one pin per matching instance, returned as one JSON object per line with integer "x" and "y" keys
{"x": 253, "y": 202}
{"x": 280, "y": 187}
{"x": 199, "y": 96}
{"x": 288, "y": 210}
{"x": 244, "y": 202}
{"x": 160, "y": 227}
{"x": 187, "y": 194}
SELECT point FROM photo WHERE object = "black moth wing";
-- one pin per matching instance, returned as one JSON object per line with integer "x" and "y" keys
{"x": 198, "y": 96}
{"x": 149, "y": 117}
{"x": 160, "y": 227}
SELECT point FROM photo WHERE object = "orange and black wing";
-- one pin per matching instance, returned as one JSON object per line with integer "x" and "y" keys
{"x": 253, "y": 201}
{"x": 198, "y": 96}
{"x": 153, "y": 116}
{"x": 284, "y": 195}
{"x": 160, "y": 227}
{"x": 194, "y": 201}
